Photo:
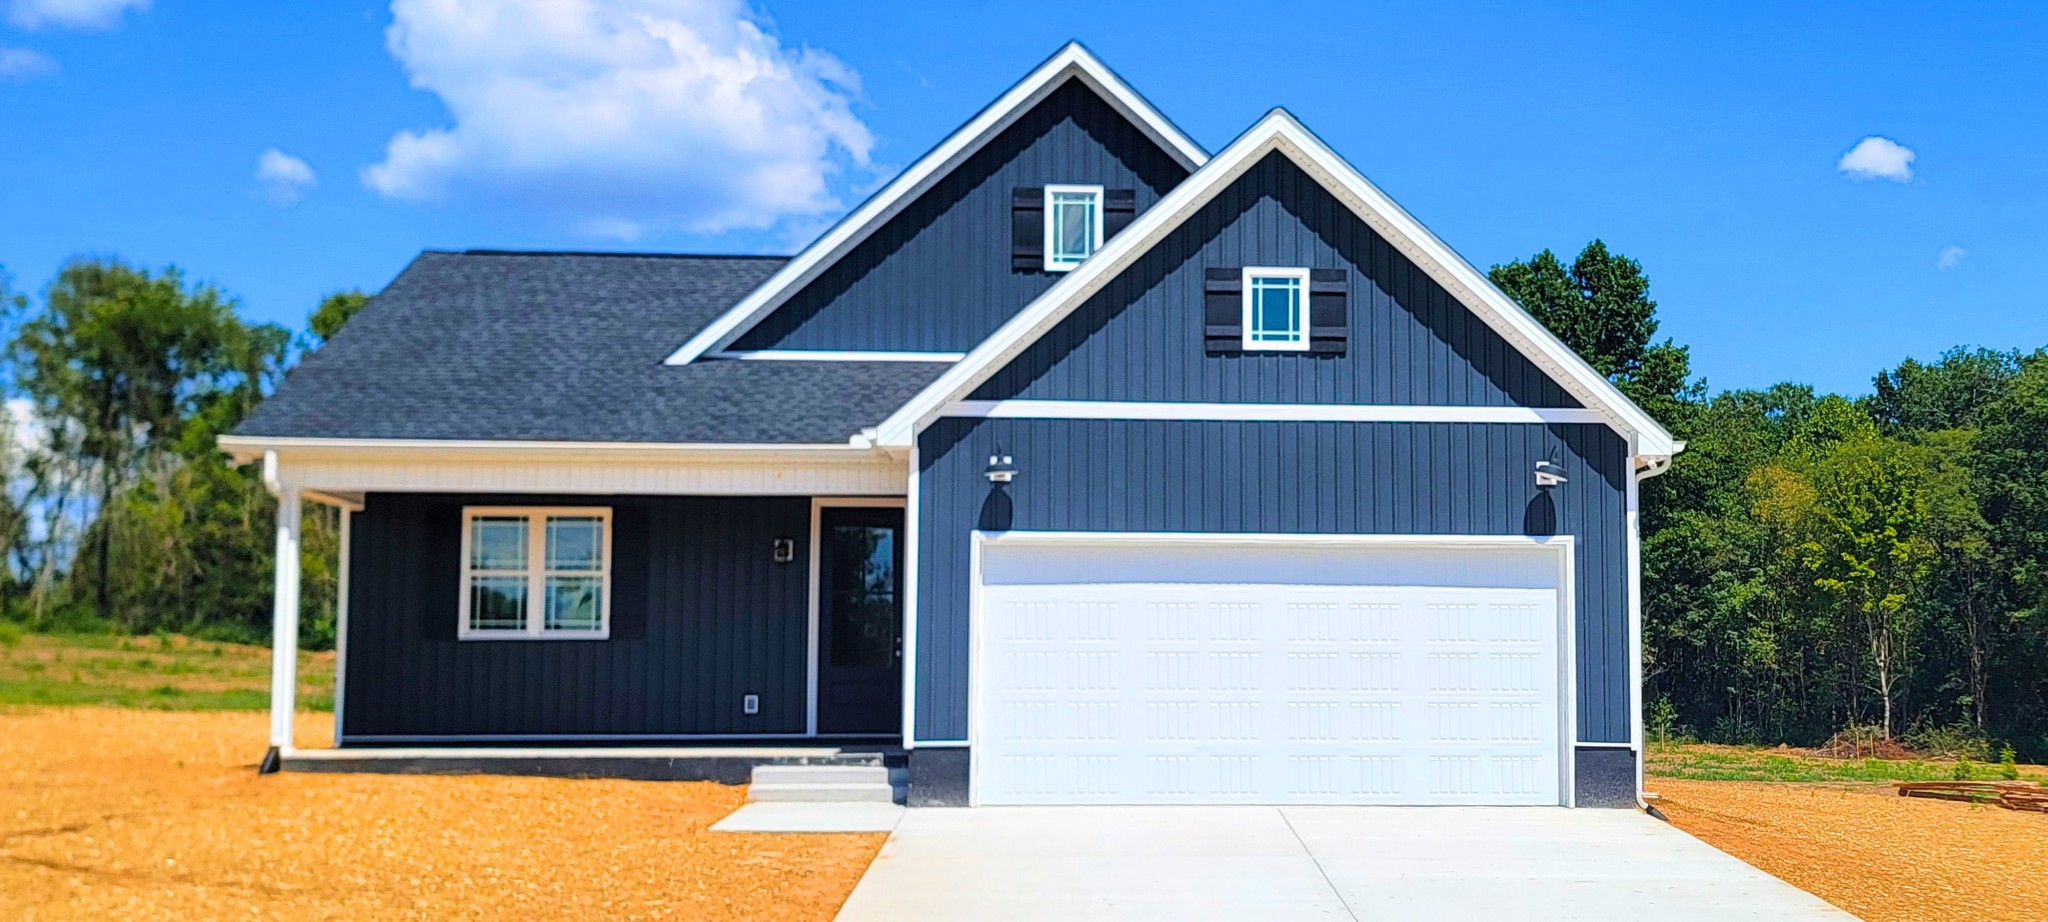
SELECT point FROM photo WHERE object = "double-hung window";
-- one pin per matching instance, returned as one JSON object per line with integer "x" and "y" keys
{"x": 536, "y": 573}
{"x": 1276, "y": 309}
{"x": 1073, "y": 225}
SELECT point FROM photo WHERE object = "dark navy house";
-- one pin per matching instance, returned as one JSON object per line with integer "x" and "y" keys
{"x": 1078, "y": 465}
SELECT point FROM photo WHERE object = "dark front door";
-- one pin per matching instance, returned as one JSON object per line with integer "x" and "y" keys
{"x": 860, "y": 621}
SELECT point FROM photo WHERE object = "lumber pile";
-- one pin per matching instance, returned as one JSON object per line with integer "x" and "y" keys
{"x": 2013, "y": 795}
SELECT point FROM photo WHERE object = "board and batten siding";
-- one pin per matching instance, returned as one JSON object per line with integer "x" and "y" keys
{"x": 1410, "y": 342}
{"x": 1272, "y": 478}
{"x": 937, "y": 277}
{"x": 701, "y": 616}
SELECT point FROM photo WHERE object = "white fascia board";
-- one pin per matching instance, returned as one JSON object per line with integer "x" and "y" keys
{"x": 246, "y": 448}
{"x": 803, "y": 355}
{"x": 1279, "y": 131}
{"x": 1267, "y": 412}
{"x": 1071, "y": 61}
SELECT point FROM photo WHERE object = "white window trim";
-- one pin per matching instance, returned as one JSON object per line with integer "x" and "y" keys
{"x": 1297, "y": 273}
{"x": 537, "y": 573}
{"x": 1052, "y": 262}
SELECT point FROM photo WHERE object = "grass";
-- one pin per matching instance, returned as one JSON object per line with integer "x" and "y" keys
{"x": 160, "y": 673}
{"x": 1708, "y": 762}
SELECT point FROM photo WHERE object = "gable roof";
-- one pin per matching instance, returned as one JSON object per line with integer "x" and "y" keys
{"x": 1279, "y": 132}
{"x": 1071, "y": 62}
{"x": 554, "y": 347}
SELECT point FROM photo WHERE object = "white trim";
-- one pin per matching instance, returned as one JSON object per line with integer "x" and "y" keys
{"x": 1279, "y": 131}
{"x": 942, "y": 744}
{"x": 1054, "y": 263}
{"x": 1567, "y": 610}
{"x": 1266, "y": 412}
{"x": 912, "y": 506}
{"x": 1635, "y": 627}
{"x": 1588, "y": 744}
{"x": 628, "y": 752}
{"x": 1072, "y": 61}
{"x": 812, "y": 614}
{"x": 341, "y": 568}
{"x": 803, "y": 355}
{"x": 1300, "y": 277}
{"x": 249, "y": 447}
{"x": 536, "y": 573}
{"x": 284, "y": 644}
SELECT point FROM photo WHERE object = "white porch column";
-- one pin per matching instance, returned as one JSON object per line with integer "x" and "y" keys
{"x": 347, "y": 515}
{"x": 284, "y": 643}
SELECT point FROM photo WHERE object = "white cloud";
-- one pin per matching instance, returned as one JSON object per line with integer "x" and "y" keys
{"x": 25, "y": 64}
{"x": 1877, "y": 158}
{"x": 284, "y": 178}
{"x": 71, "y": 14}
{"x": 1950, "y": 257}
{"x": 622, "y": 116}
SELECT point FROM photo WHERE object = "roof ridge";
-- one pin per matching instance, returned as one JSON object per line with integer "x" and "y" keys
{"x": 485, "y": 251}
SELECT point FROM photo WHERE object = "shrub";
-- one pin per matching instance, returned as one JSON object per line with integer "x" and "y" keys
{"x": 10, "y": 634}
{"x": 1957, "y": 740}
{"x": 2008, "y": 765}
{"x": 1962, "y": 769}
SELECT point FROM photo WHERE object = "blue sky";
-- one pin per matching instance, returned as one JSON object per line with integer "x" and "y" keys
{"x": 1709, "y": 144}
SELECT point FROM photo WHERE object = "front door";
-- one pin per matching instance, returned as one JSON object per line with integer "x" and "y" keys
{"x": 860, "y": 621}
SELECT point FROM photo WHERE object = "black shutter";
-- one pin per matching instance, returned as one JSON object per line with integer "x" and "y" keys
{"x": 630, "y": 557}
{"x": 1119, "y": 209}
{"x": 1223, "y": 310}
{"x": 1027, "y": 228}
{"x": 438, "y": 553}
{"x": 1328, "y": 315}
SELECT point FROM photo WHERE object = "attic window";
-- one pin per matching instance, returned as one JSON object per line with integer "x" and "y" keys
{"x": 1073, "y": 225}
{"x": 1276, "y": 309}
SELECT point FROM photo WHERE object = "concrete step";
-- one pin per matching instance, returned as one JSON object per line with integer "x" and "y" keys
{"x": 827, "y": 774}
{"x": 822, "y": 793}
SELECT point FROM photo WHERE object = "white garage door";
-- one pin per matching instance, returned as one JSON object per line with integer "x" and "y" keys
{"x": 1205, "y": 673}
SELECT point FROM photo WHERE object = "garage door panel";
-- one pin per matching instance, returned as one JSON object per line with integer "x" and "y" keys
{"x": 1160, "y": 692}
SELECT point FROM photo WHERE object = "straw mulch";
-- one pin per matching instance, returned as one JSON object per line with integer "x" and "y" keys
{"x": 136, "y": 815}
{"x": 1867, "y": 850}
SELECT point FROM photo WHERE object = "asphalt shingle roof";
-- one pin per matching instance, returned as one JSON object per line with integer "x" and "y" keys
{"x": 569, "y": 347}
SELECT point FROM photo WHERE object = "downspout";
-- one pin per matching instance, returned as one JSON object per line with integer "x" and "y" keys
{"x": 1657, "y": 465}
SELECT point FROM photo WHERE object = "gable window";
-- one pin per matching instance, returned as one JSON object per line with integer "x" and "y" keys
{"x": 1073, "y": 225}
{"x": 535, "y": 573}
{"x": 1276, "y": 309}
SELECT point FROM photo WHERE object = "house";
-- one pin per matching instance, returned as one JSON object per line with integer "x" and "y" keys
{"x": 1078, "y": 465}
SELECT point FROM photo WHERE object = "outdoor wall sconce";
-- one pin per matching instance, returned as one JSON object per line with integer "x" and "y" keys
{"x": 1001, "y": 468}
{"x": 784, "y": 550}
{"x": 1549, "y": 472}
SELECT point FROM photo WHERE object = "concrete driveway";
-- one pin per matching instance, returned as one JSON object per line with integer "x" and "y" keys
{"x": 1192, "y": 863}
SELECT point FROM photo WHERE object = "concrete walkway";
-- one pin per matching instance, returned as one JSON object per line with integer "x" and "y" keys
{"x": 1194, "y": 863}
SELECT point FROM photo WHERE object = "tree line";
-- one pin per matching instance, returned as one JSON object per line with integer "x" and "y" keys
{"x": 1818, "y": 564}
{"x": 121, "y": 513}
{"x": 1812, "y": 563}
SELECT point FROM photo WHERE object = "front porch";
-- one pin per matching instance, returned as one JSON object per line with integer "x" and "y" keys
{"x": 694, "y": 627}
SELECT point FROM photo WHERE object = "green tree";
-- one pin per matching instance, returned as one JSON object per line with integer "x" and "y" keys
{"x": 334, "y": 312}
{"x": 1600, "y": 306}
{"x": 1870, "y": 548}
{"x": 125, "y": 358}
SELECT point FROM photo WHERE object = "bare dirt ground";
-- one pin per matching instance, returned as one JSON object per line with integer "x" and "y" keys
{"x": 137, "y": 815}
{"x": 1883, "y": 857}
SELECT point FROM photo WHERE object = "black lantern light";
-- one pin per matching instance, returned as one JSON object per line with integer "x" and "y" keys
{"x": 1001, "y": 468}
{"x": 1549, "y": 472}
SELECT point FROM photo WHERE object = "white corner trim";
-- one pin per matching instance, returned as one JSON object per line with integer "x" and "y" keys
{"x": 801, "y": 355}
{"x": 1265, "y": 412}
{"x": 1071, "y": 61}
{"x": 1279, "y": 131}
